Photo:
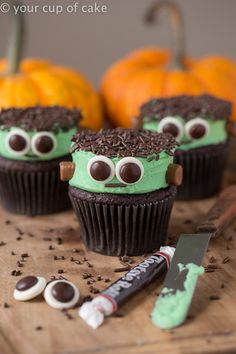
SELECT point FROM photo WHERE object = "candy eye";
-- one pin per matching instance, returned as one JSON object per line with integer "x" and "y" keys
{"x": 172, "y": 126}
{"x": 29, "y": 287}
{"x": 101, "y": 169}
{"x": 18, "y": 142}
{"x": 129, "y": 170}
{"x": 61, "y": 294}
{"x": 43, "y": 143}
{"x": 197, "y": 128}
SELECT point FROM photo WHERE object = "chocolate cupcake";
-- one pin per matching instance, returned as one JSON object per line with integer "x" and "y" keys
{"x": 122, "y": 187}
{"x": 32, "y": 143}
{"x": 199, "y": 124}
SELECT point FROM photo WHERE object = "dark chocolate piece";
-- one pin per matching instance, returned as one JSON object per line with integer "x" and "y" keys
{"x": 197, "y": 131}
{"x": 100, "y": 170}
{"x": 130, "y": 172}
{"x": 26, "y": 283}
{"x": 63, "y": 292}
{"x": 17, "y": 142}
{"x": 44, "y": 144}
{"x": 124, "y": 142}
{"x": 40, "y": 118}
{"x": 188, "y": 107}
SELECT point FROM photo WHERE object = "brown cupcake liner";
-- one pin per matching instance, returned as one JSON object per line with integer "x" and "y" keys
{"x": 203, "y": 171}
{"x": 32, "y": 188}
{"x": 117, "y": 228}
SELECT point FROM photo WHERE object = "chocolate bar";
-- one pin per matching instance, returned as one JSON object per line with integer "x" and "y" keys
{"x": 109, "y": 300}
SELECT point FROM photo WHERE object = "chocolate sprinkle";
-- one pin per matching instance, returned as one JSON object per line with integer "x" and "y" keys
{"x": 39, "y": 118}
{"x": 188, "y": 107}
{"x": 124, "y": 142}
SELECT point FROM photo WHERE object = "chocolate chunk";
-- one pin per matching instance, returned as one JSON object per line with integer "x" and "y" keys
{"x": 17, "y": 142}
{"x": 171, "y": 129}
{"x": 44, "y": 144}
{"x": 197, "y": 131}
{"x": 26, "y": 283}
{"x": 63, "y": 292}
{"x": 100, "y": 170}
{"x": 130, "y": 172}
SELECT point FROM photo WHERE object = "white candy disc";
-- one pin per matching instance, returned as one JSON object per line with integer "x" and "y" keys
{"x": 29, "y": 287}
{"x": 61, "y": 294}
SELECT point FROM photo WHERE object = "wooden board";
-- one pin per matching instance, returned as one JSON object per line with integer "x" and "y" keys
{"x": 211, "y": 327}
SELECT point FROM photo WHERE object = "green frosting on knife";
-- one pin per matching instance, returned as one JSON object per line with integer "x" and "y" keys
{"x": 172, "y": 306}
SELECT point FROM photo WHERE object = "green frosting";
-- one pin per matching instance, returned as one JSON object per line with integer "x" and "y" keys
{"x": 63, "y": 139}
{"x": 171, "y": 308}
{"x": 154, "y": 177}
{"x": 217, "y": 133}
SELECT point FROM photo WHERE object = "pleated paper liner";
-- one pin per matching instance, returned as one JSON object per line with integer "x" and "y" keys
{"x": 203, "y": 171}
{"x": 120, "y": 225}
{"x": 32, "y": 188}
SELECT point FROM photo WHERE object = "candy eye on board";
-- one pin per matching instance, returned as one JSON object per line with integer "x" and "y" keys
{"x": 29, "y": 287}
{"x": 61, "y": 294}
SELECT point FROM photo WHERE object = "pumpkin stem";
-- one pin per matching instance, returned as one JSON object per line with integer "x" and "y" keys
{"x": 16, "y": 43}
{"x": 177, "y": 24}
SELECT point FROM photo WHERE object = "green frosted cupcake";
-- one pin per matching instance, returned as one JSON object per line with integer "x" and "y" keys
{"x": 199, "y": 124}
{"x": 122, "y": 187}
{"x": 32, "y": 143}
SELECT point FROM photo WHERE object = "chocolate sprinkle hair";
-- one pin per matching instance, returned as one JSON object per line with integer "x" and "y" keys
{"x": 40, "y": 118}
{"x": 188, "y": 107}
{"x": 124, "y": 142}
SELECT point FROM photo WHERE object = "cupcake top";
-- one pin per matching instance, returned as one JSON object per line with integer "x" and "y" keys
{"x": 121, "y": 161}
{"x": 194, "y": 121}
{"x": 37, "y": 133}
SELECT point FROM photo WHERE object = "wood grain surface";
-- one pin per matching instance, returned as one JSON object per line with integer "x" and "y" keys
{"x": 35, "y": 328}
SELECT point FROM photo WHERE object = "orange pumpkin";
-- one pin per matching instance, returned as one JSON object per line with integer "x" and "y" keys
{"x": 153, "y": 72}
{"x": 38, "y": 82}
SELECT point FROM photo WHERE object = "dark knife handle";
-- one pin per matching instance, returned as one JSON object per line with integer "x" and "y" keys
{"x": 221, "y": 214}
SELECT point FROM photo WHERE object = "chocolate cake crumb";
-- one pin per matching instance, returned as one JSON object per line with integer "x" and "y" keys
{"x": 51, "y": 248}
{"x": 188, "y": 107}
{"x": 24, "y": 255}
{"x": 39, "y": 118}
{"x": 2, "y": 243}
{"x": 75, "y": 250}
{"x": 7, "y": 222}
{"x": 19, "y": 238}
{"x": 124, "y": 142}
{"x": 222, "y": 286}
{"x": 6, "y": 305}
{"x": 212, "y": 259}
{"x": 13, "y": 253}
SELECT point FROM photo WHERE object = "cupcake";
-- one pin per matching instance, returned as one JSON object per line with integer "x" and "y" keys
{"x": 32, "y": 143}
{"x": 199, "y": 124}
{"x": 122, "y": 184}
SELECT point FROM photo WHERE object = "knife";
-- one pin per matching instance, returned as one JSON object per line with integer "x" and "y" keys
{"x": 172, "y": 306}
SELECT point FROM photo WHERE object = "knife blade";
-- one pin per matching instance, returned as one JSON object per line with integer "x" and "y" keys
{"x": 173, "y": 303}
